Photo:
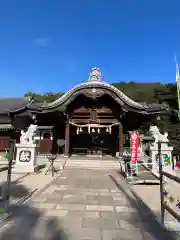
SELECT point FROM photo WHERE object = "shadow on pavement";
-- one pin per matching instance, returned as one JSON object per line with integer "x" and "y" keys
{"x": 144, "y": 218}
{"x": 17, "y": 190}
{"x": 28, "y": 223}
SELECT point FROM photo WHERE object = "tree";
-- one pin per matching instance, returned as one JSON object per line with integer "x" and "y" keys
{"x": 45, "y": 97}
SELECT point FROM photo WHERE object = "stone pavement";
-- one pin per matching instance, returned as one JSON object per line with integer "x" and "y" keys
{"x": 23, "y": 185}
{"x": 86, "y": 205}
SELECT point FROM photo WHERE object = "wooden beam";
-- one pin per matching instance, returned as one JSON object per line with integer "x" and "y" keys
{"x": 87, "y": 110}
{"x": 121, "y": 140}
{"x": 100, "y": 121}
{"x": 67, "y": 139}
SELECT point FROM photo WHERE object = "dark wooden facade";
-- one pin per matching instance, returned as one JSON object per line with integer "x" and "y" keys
{"x": 86, "y": 118}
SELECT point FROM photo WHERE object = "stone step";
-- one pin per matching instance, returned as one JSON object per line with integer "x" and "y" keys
{"x": 92, "y": 162}
{"x": 97, "y": 164}
{"x": 92, "y": 168}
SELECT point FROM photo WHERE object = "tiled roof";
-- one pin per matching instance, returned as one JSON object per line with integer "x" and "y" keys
{"x": 156, "y": 106}
{"x": 8, "y": 104}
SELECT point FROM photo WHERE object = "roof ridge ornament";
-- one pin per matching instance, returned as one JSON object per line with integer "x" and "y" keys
{"x": 95, "y": 75}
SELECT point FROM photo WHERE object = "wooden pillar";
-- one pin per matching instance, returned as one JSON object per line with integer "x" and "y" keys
{"x": 67, "y": 139}
{"x": 121, "y": 140}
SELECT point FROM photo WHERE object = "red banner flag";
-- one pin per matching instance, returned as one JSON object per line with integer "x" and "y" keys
{"x": 134, "y": 138}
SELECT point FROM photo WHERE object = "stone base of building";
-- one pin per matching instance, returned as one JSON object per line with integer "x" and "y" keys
{"x": 25, "y": 169}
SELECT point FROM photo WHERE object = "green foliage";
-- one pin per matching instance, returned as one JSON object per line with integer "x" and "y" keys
{"x": 168, "y": 94}
{"x": 141, "y": 92}
{"x": 45, "y": 97}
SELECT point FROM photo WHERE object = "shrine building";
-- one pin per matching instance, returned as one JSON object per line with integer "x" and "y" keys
{"x": 93, "y": 118}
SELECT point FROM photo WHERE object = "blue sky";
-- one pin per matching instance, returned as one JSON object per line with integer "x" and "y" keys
{"x": 51, "y": 45}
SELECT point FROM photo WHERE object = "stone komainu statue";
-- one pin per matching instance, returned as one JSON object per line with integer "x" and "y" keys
{"x": 28, "y": 136}
{"x": 154, "y": 130}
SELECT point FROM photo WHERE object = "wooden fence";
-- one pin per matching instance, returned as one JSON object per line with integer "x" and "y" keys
{"x": 165, "y": 196}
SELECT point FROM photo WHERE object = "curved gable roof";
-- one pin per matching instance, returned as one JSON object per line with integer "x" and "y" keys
{"x": 94, "y": 82}
{"x": 94, "y": 85}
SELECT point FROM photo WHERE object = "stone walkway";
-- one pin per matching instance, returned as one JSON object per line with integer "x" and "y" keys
{"x": 86, "y": 205}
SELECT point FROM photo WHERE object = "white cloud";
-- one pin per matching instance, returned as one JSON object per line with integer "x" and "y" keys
{"x": 42, "y": 41}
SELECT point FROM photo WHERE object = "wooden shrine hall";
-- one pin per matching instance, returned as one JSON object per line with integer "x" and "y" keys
{"x": 92, "y": 118}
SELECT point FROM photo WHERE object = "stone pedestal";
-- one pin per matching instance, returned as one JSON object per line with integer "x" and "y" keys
{"x": 25, "y": 158}
{"x": 165, "y": 150}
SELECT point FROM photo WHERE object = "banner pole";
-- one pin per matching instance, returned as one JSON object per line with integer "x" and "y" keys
{"x": 178, "y": 86}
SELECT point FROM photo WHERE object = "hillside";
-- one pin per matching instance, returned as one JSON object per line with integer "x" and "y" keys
{"x": 141, "y": 92}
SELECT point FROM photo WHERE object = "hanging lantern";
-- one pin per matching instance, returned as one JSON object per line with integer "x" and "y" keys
{"x": 107, "y": 130}
{"x": 93, "y": 130}
{"x": 98, "y": 130}
{"x": 80, "y": 130}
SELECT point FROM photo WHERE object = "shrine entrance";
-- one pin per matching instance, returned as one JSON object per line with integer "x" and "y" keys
{"x": 94, "y": 140}
{"x": 97, "y": 148}
{"x": 93, "y": 127}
